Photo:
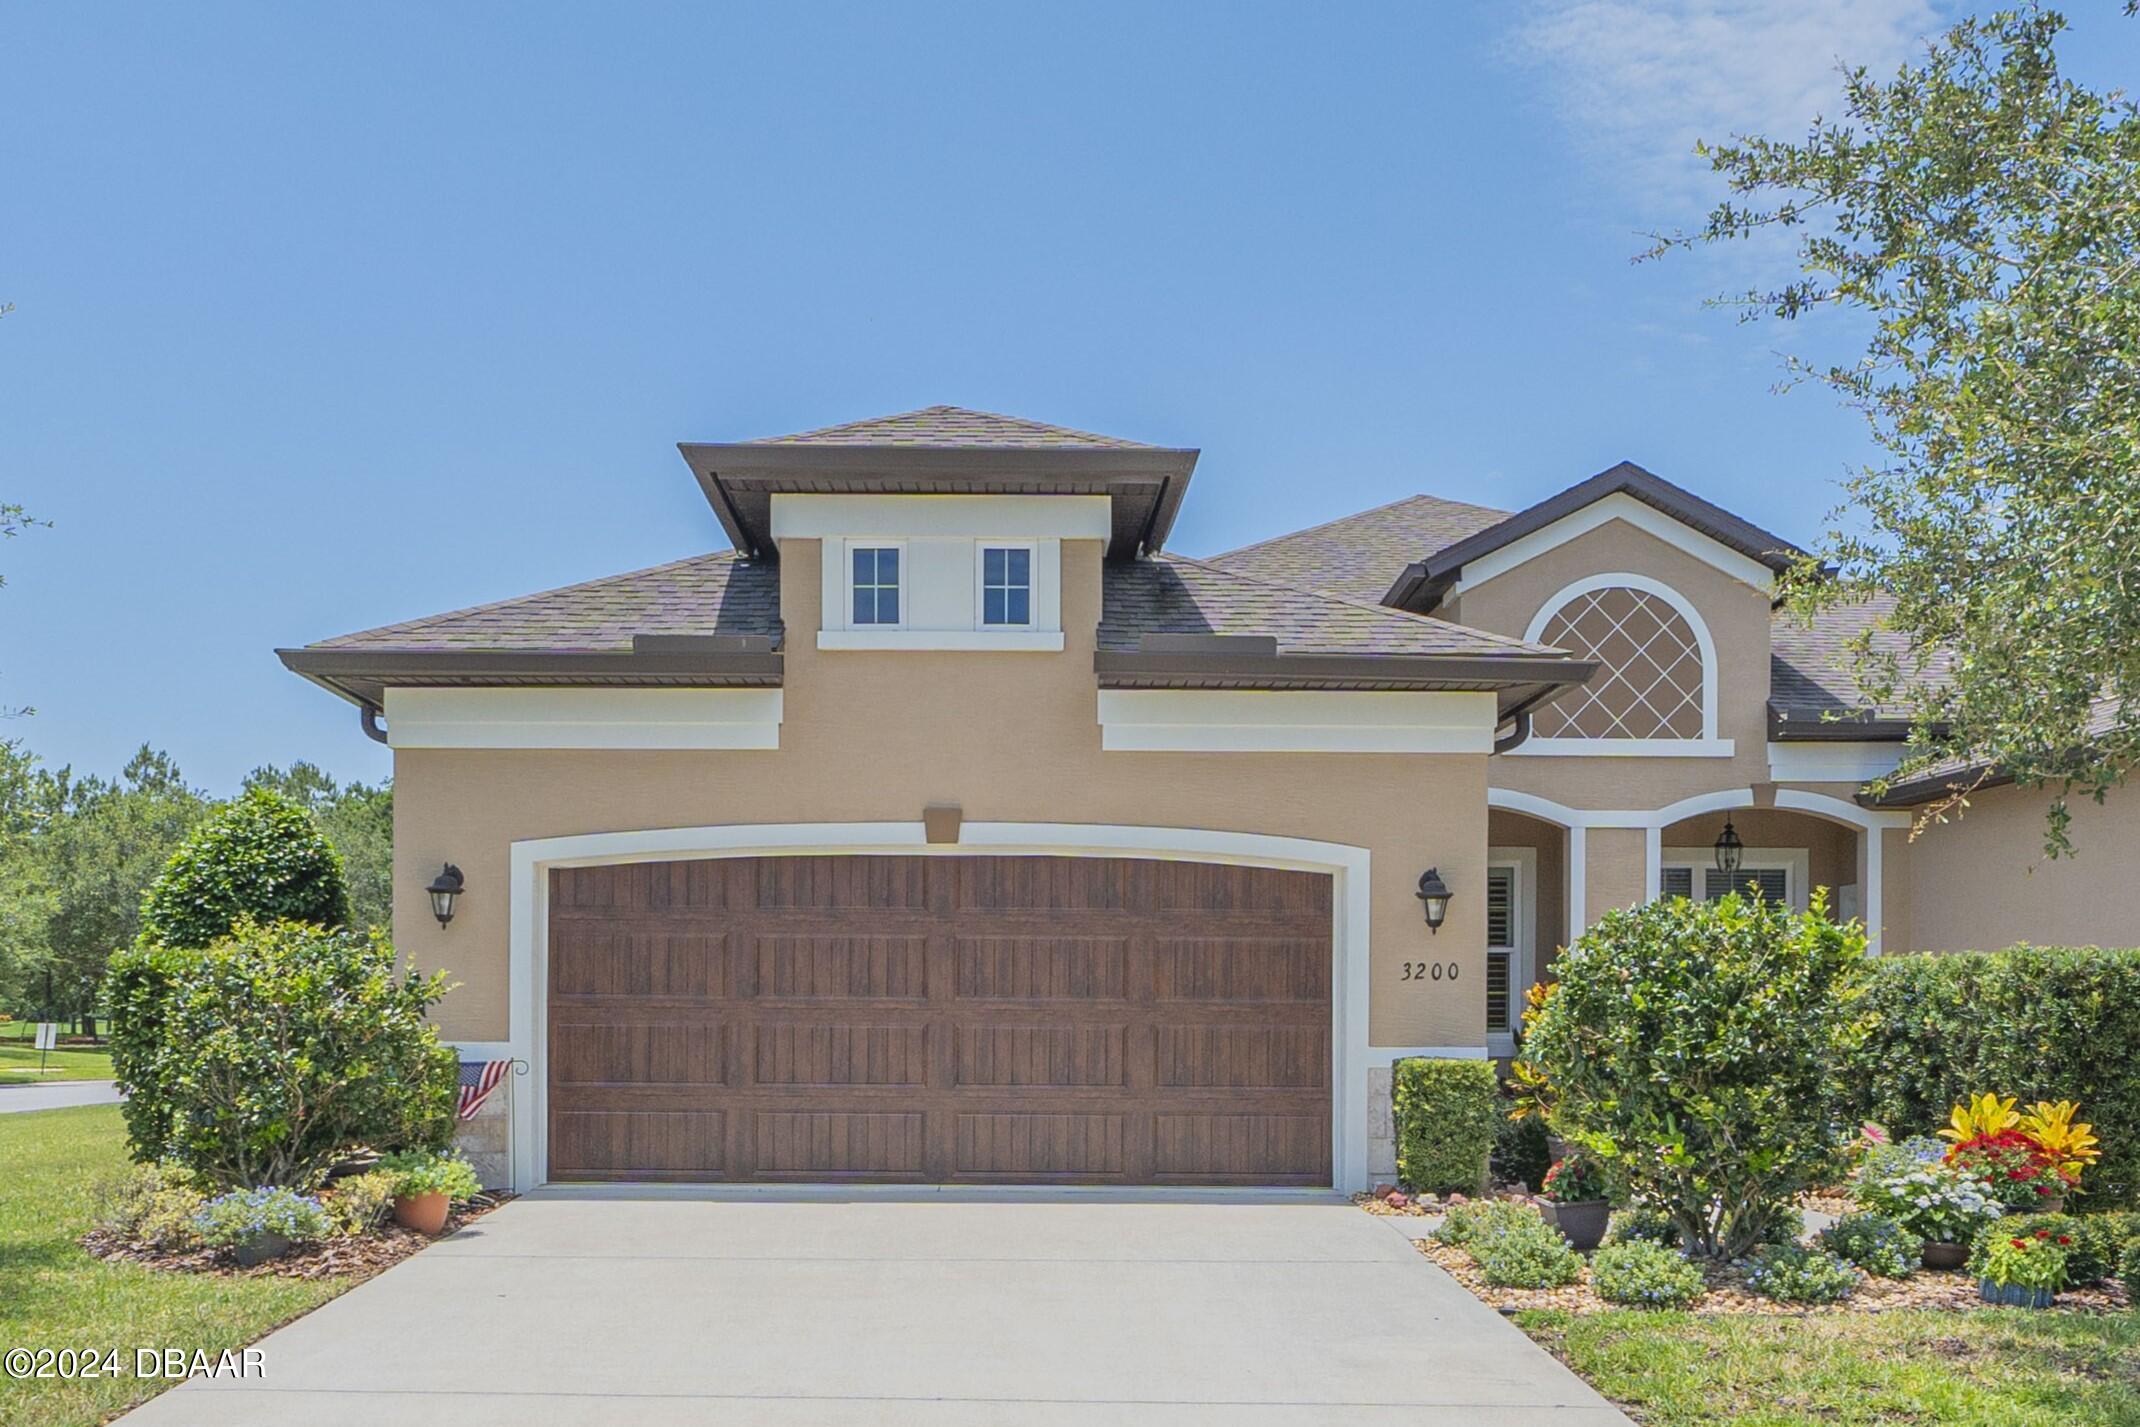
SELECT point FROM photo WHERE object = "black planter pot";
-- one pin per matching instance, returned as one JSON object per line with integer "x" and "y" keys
{"x": 1945, "y": 1255}
{"x": 260, "y": 1248}
{"x": 1582, "y": 1224}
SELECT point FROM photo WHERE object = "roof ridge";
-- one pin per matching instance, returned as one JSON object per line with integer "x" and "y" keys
{"x": 1340, "y": 520}
{"x": 729, "y": 555}
{"x": 948, "y": 409}
{"x": 1329, "y": 597}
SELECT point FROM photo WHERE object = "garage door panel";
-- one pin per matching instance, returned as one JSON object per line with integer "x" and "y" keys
{"x": 1205, "y": 888}
{"x": 637, "y": 1143}
{"x": 641, "y": 1053}
{"x": 605, "y": 960}
{"x": 1042, "y": 1056}
{"x": 843, "y": 883}
{"x": 849, "y": 968}
{"x": 1041, "y": 968}
{"x": 1241, "y": 1057}
{"x": 1262, "y": 1148}
{"x": 838, "y": 1143}
{"x": 1223, "y": 969}
{"x": 1026, "y": 1146}
{"x": 1046, "y": 884}
{"x": 844, "y": 1053}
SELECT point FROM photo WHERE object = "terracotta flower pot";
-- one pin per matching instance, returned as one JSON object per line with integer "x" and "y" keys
{"x": 1945, "y": 1255}
{"x": 1582, "y": 1223}
{"x": 425, "y": 1213}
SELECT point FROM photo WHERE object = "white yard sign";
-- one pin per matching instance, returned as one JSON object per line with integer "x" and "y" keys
{"x": 47, "y": 1034}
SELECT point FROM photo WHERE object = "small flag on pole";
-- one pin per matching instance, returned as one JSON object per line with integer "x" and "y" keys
{"x": 478, "y": 1079}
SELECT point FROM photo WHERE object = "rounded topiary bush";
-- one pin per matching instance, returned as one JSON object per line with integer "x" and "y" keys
{"x": 1525, "y": 1253}
{"x": 259, "y": 856}
{"x": 1640, "y": 1274}
{"x": 1792, "y": 1273}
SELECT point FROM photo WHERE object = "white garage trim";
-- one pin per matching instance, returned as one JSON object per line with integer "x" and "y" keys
{"x": 583, "y": 718}
{"x": 1295, "y": 721}
{"x": 1347, "y": 867}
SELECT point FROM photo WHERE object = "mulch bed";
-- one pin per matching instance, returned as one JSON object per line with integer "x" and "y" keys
{"x": 329, "y": 1258}
{"x": 1727, "y": 1291}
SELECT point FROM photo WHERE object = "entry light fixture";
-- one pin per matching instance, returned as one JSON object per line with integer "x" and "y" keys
{"x": 445, "y": 889}
{"x": 1729, "y": 849}
{"x": 1435, "y": 893}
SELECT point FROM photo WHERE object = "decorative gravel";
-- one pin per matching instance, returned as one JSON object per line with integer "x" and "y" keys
{"x": 329, "y": 1258}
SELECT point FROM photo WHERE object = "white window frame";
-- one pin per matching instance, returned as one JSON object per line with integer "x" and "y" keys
{"x": 981, "y": 548}
{"x": 1709, "y": 745}
{"x": 847, "y": 581}
{"x": 1523, "y": 929}
{"x": 1796, "y": 863}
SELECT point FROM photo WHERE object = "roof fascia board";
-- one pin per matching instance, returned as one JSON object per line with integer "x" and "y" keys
{"x": 808, "y": 516}
{"x": 531, "y": 666}
{"x": 1616, "y": 506}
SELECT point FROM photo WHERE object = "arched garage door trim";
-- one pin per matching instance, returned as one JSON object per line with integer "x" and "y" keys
{"x": 1347, "y": 866}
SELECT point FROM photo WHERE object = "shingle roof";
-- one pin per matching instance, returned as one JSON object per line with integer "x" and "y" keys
{"x": 1171, "y": 594}
{"x": 1809, "y": 666}
{"x": 1359, "y": 555}
{"x": 706, "y": 594}
{"x": 951, "y": 426}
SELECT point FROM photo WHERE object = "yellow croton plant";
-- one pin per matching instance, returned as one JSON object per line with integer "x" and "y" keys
{"x": 2073, "y": 1146}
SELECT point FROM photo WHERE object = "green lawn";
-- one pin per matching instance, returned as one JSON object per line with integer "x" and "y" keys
{"x": 2006, "y": 1367}
{"x": 52, "y": 1294}
{"x": 19, "y": 1059}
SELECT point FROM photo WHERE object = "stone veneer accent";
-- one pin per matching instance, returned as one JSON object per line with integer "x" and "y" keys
{"x": 486, "y": 1139}
{"x": 1381, "y": 1128}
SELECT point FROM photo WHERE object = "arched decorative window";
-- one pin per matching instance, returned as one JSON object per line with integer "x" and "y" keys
{"x": 1655, "y": 688}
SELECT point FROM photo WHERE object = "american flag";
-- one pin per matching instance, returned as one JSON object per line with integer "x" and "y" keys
{"x": 478, "y": 1079}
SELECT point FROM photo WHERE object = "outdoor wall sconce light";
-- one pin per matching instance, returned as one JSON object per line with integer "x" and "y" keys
{"x": 444, "y": 889}
{"x": 1729, "y": 849}
{"x": 1435, "y": 893}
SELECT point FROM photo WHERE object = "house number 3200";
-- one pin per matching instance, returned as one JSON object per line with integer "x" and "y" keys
{"x": 1429, "y": 971}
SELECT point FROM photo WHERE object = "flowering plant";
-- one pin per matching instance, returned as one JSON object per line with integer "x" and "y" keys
{"x": 246, "y": 1214}
{"x": 1933, "y": 1201}
{"x": 2023, "y": 1159}
{"x": 2013, "y": 1168}
{"x": 2035, "y": 1260}
{"x": 2073, "y": 1146}
{"x": 1574, "y": 1180}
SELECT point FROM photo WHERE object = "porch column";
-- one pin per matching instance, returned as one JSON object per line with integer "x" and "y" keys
{"x": 1619, "y": 870}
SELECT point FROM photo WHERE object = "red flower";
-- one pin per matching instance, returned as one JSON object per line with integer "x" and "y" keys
{"x": 2020, "y": 1243}
{"x": 2065, "y": 1238}
{"x": 2043, "y": 1233}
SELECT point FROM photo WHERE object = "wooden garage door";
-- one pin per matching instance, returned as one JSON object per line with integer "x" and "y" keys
{"x": 930, "y": 1019}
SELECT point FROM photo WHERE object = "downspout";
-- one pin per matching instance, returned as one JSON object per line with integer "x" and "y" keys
{"x": 1519, "y": 733}
{"x": 368, "y": 715}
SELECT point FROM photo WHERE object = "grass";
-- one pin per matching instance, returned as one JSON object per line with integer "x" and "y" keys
{"x": 2007, "y": 1367}
{"x": 18, "y": 1064}
{"x": 52, "y": 1294}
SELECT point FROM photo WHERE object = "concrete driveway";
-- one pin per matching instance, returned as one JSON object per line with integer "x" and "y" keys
{"x": 1063, "y": 1311}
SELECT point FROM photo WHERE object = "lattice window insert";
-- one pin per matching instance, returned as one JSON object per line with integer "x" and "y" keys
{"x": 1649, "y": 680}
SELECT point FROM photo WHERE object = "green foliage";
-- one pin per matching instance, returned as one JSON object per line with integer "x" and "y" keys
{"x": 1875, "y": 1243}
{"x": 2129, "y": 1272}
{"x": 2035, "y": 1260}
{"x": 1523, "y": 1251}
{"x": 1694, "y": 1048}
{"x": 1575, "y": 1179}
{"x": 231, "y": 1219}
{"x": 1932, "y": 1201}
{"x": 263, "y": 1058}
{"x": 1520, "y": 1153}
{"x": 420, "y": 1172}
{"x": 1644, "y": 1275}
{"x": 1792, "y": 1273}
{"x": 2041, "y": 1023}
{"x": 258, "y": 856}
{"x": 1642, "y": 1225}
{"x": 358, "y": 819}
{"x": 358, "y": 1203}
{"x": 1465, "y": 1223}
{"x": 150, "y": 1205}
{"x": 2091, "y": 1242}
{"x": 1976, "y": 214}
{"x": 1445, "y": 1112}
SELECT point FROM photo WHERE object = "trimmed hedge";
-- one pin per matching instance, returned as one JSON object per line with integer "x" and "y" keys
{"x": 1445, "y": 1112}
{"x": 2042, "y": 1023}
{"x": 259, "y": 856}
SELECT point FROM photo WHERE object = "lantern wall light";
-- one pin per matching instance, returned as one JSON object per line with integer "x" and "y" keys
{"x": 1729, "y": 849}
{"x": 1435, "y": 893}
{"x": 445, "y": 889}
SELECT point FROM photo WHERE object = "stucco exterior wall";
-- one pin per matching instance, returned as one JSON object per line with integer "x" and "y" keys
{"x": 1617, "y": 870}
{"x": 1982, "y": 881}
{"x": 1550, "y": 896}
{"x": 878, "y": 735}
{"x": 1737, "y": 616}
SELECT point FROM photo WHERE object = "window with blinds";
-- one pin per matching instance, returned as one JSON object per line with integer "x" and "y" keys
{"x": 1500, "y": 945}
{"x": 1772, "y": 883}
{"x": 1676, "y": 882}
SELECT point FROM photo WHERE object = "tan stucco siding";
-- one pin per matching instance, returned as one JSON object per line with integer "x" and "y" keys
{"x": 876, "y": 736}
{"x": 1982, "y": 881}
{"x": 1550, "y": 896}
{"x": 1737, "y": 616}
{"x": 1616, "y": 870}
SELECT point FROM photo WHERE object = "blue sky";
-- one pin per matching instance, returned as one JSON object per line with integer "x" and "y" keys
{"x": 331, "y": 317}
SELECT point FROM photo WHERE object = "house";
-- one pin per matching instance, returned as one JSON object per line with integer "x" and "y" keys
{"x": 950, "y": 828}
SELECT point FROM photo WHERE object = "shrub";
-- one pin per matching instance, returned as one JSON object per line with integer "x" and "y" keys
{"x": 1935, "y": 1202}
{"x": 1466, "y": 1223}
{"x": 2092, "y": 1242}
{"x": 1792, "y": 1273}
{"x": 2040, "y": 1023}
{"x": 1644, "y": 1275}
{"x": 151, "y": 1205}
{"x": 1525, "y": 1252}
{"x": 259, "y": 856}
{"x": 230, "y": 1219}
{"x": 1520, "y": 1153}
{"x": 1445, "y": 1112}
{"x": 1875, "y": 1243}
{"x": 2129, "y": 1272}
{"x": 260, "y": 1060}
{"x": 358, "y": 1204}
{"x": 422, "y": 1173}
{"x": 1693, "y": 1046}
{"x": 1574, "y": 1180}
{"x": 2035, "y": 1260}
{"x": 1643, "y": 1226}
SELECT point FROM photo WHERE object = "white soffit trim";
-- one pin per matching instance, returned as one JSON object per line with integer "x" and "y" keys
{"x": 583, "y": 718}
{"x": 1617, "y": 506}
{"x": 1625, "y": 748}
{"x": 977, "y": 640}
{"x": 833, "y": 517}
{"x": 1831, "y": 762}
{"x": 1295, "y": 721}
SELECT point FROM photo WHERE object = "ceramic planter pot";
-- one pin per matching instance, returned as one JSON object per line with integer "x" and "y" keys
{"x": 1945, "y": 1255}
{"x": 260, "y": 1248}
{"x": 2013, "y": 1294}
{"x": 425, "y": 1213}
{"x": 1582, "y": 1224}
{"x": 2056, "y": 1204}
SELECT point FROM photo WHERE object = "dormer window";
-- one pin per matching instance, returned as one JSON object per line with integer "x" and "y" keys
{"x": 1006, "y": 586}
{"x": 876, "y": 585}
